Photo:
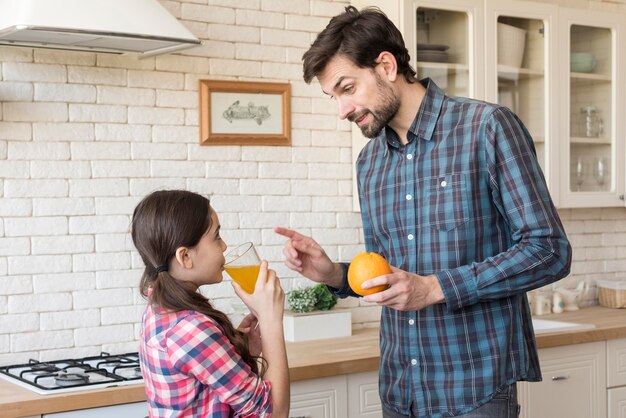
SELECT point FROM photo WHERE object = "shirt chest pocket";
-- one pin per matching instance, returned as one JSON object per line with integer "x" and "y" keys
{"x": 446, "y": 202}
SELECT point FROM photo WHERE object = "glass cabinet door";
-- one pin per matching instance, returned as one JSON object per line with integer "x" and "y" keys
{"x": 589, "y": 109}
{"x": 519, "y": 72}
{"x": 445, "y": 44}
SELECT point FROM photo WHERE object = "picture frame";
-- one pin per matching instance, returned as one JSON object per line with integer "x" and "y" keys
{"x": 236, "y": 112}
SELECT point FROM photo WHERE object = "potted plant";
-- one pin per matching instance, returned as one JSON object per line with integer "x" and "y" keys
{"x": 309, "y": 318}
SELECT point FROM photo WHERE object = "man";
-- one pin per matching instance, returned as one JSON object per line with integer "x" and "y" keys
{"x": 453, "y": 197}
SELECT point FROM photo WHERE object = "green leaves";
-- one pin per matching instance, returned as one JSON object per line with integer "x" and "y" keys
{"x": 324, "y": 300}
{"x": 310, "y": 298}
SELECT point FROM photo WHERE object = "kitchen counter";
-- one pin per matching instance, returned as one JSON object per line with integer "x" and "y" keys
{"x": 308, "y": 360}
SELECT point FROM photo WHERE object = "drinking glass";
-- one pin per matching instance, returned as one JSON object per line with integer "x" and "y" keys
{"x": 599, "y": 171}
{"x": 243, "y": 265}
{"x": 579, "y": 173}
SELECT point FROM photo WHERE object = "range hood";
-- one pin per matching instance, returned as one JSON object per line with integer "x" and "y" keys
{"x": 114, "y": 26}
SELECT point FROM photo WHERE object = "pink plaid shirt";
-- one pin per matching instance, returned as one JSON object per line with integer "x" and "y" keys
{"x": 192, "y": 370}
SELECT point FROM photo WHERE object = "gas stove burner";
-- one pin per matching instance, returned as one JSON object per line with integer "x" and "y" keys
{"x": 109, "y": 363}
{"x": 68, "y": 375}
{"x": 37, "y": 368}
{"x": 70, "y": 379}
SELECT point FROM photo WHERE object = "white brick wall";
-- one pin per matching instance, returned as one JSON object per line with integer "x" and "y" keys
{"x": 84, "y": 136}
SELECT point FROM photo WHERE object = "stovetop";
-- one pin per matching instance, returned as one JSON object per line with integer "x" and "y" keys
{"x": 71, "y": 375}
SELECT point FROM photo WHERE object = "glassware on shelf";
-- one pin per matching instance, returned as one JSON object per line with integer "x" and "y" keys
{"x": 579, "y": 173}
{"x": 592, "y": 124}
{"x": 599, "y": 170}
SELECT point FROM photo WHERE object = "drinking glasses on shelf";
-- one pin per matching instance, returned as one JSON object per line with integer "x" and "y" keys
{"x": 579, "y": 173}
{"x": 599, "y": 170}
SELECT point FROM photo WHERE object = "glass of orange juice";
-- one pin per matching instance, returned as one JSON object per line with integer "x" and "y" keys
{"x": 243, "y": 265}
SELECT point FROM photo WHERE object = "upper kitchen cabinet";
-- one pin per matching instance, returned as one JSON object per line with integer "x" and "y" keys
{"x": 591, "y": 112}
{"x": 560, "y": 69}
{"x": 445, "y": 44}
{"x": 519, "y": 75}
{"x": 444, "y": 38}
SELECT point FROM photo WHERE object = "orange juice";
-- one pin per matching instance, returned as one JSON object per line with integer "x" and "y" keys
{"x": 244, "y": 275}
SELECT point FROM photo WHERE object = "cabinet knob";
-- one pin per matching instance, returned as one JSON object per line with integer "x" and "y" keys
{"x": 621, "y": 197}
{"x": 565, "y": 377}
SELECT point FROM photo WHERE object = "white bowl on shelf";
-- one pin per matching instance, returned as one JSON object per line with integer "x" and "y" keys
{"x": 582, "y": 62}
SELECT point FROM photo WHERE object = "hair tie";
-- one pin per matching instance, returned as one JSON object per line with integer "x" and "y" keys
{"x": 161, "y": 268}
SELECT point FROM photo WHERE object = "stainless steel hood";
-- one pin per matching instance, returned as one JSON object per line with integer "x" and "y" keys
{"x": 142, "y": 27}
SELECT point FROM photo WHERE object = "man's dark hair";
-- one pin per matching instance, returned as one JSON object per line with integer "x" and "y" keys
{"x": 360, "y": 36}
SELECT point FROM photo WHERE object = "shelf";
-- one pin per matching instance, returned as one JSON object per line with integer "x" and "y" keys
{"x": 451, "y": 67}
{"x": 590, "y": 77}
{"x": 589, "y": 141}
{"x": 514, "y": 73}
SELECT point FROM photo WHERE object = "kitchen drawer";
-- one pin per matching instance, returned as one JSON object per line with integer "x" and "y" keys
{"x": 319, "y": 398}
{"x": 573, "y": 383}
{"x": 616, "y": 362}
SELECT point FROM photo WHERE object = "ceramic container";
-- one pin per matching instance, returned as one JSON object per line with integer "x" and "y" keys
{"x": 582, "y": 62}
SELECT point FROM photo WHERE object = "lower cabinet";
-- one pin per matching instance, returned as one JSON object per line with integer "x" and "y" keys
{"x": 617, "y": 402}
{"x": 573, "y": 386}
{"x": 579, "y": 381}
{"x": 352, "y": 396}
{"x": 363, "y": 395}
{"x": 616, "y": 378}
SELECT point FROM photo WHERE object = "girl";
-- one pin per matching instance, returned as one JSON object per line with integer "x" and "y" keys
{"x": 194, "y": 362}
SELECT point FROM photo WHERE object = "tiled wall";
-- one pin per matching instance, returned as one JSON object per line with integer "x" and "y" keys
{"x": 84, "y": 136}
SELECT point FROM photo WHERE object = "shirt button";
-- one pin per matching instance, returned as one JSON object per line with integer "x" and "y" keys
{"x": 411, "y": 322}
{"x": 409, "y": 197}
{"x": 409, "y": 156}
{"x": 410, "y": 237}
{"x": 444, "y": 183}
{"x": 413, "y": 362}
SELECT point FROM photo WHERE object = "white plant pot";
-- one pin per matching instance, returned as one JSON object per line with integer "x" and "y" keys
{"x": 317, "y": 325}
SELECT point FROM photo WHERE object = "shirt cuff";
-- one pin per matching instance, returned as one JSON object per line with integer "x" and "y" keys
{"x": 344, "y": 291}
{"x": 459, "y": 287}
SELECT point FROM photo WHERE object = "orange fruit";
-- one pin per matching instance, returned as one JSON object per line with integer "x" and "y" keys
{"x": 366, "y": 266}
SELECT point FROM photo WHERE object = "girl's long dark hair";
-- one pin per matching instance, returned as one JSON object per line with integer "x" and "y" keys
{"x": 162, "y": 222}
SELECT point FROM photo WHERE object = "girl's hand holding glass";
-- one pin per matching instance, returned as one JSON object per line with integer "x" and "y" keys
{"x": 267, "y": 301}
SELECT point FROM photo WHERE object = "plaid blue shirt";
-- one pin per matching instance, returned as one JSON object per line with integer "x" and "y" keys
{"x": 465, "y": 200}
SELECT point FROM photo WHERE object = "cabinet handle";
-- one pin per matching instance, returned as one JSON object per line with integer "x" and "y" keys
{"x": 560, "y": 377}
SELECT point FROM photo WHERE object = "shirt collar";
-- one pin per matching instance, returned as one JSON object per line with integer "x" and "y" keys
{"x": 425, "y": 120}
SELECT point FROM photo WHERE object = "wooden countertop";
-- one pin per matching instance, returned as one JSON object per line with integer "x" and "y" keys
{"x": 307, "y": 360}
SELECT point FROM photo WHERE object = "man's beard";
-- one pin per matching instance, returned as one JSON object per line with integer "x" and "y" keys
{"x": 382, "y": 114}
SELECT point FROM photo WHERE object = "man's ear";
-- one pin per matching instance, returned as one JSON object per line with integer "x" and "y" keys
{"x": 183, "y": 258}
{"x": 388, "y": 64}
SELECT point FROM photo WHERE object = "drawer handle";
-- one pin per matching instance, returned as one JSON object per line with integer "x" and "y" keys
{"x": 555, "y": 378}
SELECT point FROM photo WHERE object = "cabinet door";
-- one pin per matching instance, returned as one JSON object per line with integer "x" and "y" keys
{"x": 573, "y": 386}
{"x": 616, "y": 362}
{"x": 617, "y": 403}
{"x": 445, "y": 41}
{"x": 521, "y": 73}
{"x": 591, "y": 110}
{"x": 319, "y": 398}
{"x": 363, "y": 395}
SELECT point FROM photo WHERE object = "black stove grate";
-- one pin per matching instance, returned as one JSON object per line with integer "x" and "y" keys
{"x": 84, "y": 372}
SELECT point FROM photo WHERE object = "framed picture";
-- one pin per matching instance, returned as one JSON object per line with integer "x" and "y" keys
{"x": 244, "y": 113}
